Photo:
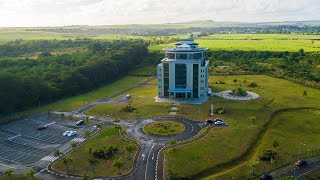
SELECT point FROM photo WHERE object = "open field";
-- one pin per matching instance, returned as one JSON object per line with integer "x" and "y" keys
{"x": 76, "y": 102}
{"x": 231, "y": 143}
{"x": 109, "y": 136}
{"x": 257, "y": 42}
{"x": 164, "y": 128}
{"x": 142, "y": 99}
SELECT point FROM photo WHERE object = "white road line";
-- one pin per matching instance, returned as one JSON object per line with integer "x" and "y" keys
{"x": 189, "y": 124}
{"x": 145, "y": 175}
{"x": 6, "y": 166}
{"x": 307, "y": 172}
{"x": 10, "y": 138}
{"x": 40, "y": 172}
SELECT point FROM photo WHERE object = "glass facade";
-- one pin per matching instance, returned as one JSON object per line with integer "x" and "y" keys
{"x": 197, "y": 55}
{"x": 195, "y": 88}
{"x": 180, "y": 76}
{"x": 182, "y": 56}
{"x": 166, "y": 75}
{"x": 170, "y": 55}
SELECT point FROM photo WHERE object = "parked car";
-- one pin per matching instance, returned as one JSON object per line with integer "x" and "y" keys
{"x": 209, "y": 121}
{"x": 219, "y": 123}
{"x": 128, "y": 96}
{"x": 72, "y": 133}
{"x": 266, "y": 176}
{"x": 66, "y": 133}
{"x": 42, "y": 128}
{"x": 218, "y": 119}
{"x": 79, "y": 123}
{"x": 301, "y": 162}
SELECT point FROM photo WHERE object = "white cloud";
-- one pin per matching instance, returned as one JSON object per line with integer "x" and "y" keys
{"x": 98, "y": 12}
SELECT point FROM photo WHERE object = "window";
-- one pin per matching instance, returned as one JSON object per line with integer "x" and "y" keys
{"x": 195, "y": 80}
{"x": 170, "y": 55}
{"x": 182, "y": 56}
{"x": 197, "y": 55}
{"x": 166, "y": 79}
{"x": 180, "y": 76}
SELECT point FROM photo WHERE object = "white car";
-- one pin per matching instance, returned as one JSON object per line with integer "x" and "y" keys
{"x": 69, "y": 133}
{"x": 66, "y": 133}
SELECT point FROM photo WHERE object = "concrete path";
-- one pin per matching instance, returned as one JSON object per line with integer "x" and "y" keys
{"x": 227, "y": 95}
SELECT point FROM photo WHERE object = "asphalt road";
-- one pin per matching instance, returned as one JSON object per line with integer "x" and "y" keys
{"x": 299, "y": 172}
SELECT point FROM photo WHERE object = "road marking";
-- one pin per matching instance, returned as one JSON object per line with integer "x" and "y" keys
{"x": 50, "y": 124}
{"x": 78, "y": 139}
{"x": 307, "y": 172}
{"x": 189, "y": 124}
{"x": 49, "y": 158}
{"x": 10, "y": 138}
{"x": 145, "y": 175}
{"x": 40, "y": 172}
{"x": 143, "y": 156}
{"x": 6, "y": 166}
{"x": 153, "y": 156}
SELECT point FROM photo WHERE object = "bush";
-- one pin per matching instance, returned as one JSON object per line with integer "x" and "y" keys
{"x": 216, "y": 110}
{"x": 253, "y": 84}
{"x": 105, "y": 152}
{"x": 239, "y": 92}
{"x": 266, "y": 155}
{"x": 128, "y": 108}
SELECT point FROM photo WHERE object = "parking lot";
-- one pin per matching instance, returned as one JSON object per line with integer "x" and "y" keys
{"x": 21, "y": 142}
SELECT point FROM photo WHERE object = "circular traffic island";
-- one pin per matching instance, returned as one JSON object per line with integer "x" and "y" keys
{"x": 164, "y": 128}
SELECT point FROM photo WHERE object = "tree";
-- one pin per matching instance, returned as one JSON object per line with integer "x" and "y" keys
{"x": 118, "y": 163}
{"x": 130, "y": 148}
{"x": 57, "y": 152}
{"x": 304, "y": 93}
{"x": 252, "y": 118}
{"x": 74, "y": 145}
{"x": 87, "y": 119}
{"x": 66, "y": 161}
{"x": 116, "y": 120}
{"x": 99, "y": 126}
{"x": 87, "y": 134}
{"x": 9, "y": 173}
{"x": 30, "y": 173}
{"x": 93, "y": 162}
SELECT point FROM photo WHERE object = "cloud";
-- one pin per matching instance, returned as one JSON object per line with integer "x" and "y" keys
{"x": 98, "y": 12}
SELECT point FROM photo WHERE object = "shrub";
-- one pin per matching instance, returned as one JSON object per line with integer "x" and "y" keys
{"x": 105, "y": 152}
{"x": 239, "y": 92}
{"x": 266, "y": 155}
{"x": 253, "y": 84}
{"x": 128, "y": 108}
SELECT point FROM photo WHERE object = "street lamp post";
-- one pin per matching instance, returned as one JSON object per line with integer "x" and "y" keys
{"x": 252, "y": 169}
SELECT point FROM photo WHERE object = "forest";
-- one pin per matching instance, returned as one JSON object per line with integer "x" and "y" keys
{"x": 26, "y": 82}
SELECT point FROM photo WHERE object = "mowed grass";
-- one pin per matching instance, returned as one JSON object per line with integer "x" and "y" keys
{"x": 164, "y": 128}
{"x": 254, "y": 42}
{"x": 142, "y": 98}
{"x": 109, "y": 136}
{"x": 225, "y": 144}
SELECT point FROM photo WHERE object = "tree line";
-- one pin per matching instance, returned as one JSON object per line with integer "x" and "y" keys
{"x": 28, "y": 82}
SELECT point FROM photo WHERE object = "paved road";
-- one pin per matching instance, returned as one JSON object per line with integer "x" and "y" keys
{"x": 299, "y": 172}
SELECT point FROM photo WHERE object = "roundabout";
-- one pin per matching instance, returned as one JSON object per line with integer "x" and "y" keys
{"x": 164, "y": 128}
{"x": 228, "y": 95}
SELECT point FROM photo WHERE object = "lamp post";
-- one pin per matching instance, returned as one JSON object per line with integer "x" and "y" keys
{"x": 252, "y": 168}
{"x": 300, "y": 150}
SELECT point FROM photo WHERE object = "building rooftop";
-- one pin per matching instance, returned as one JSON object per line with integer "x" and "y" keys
{"x": 185, "y": 45}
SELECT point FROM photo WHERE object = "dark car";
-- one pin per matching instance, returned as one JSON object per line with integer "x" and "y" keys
{"x": 301, "y": 162}
{"x": 266, "y": 176}
{"x": 209, "y": 121}
{"x": 42, "y": 128}
{"x": 79, "y": 123}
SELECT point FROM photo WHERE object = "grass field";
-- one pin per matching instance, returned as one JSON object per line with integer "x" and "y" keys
{"x": 231, "y": 143}
{"x": 142, "y": 99}
{"x": 104, "y": 168}
{"x": 164, "y": 128}
{"x": 257, "y": 42}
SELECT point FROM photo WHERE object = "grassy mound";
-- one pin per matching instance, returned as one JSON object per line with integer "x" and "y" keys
{"x": 164, "y": 128}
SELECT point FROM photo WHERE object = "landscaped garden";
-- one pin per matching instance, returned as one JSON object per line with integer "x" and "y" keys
{"x": 164, "y": 128}
{"x": 107, "y": 154}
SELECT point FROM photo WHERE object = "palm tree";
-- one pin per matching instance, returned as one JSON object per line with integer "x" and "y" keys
{"x": 220, "y": 112}
{"x": 116, "y": 120}
{"x": 87, "y": 119}
{"x": 118, "y": 163}
{"x": 93, "y": 162}
{"x": 30, "y": 173}
{"x": 74, "y": 145}
{"x": 119, "y": 128}
{"x": 252, "y": 118}
{"x": 66, "y": 161}
{"x": 130, "y": 148}
{"x": 9, "y": 173}
{"x": 57, "y": 152}
{"x": 87, "y": 134}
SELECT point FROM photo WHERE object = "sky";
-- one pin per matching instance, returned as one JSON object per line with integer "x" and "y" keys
{"x": 25, "y": 13}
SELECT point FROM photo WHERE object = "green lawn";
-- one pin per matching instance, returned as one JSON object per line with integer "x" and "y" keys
{"x": 229, "y": 143}
{"x": 164, "y": 128}
{"x": 257, "y": 42}
{"x": 142, "y": 99}
{"x": 109, "y": 136}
